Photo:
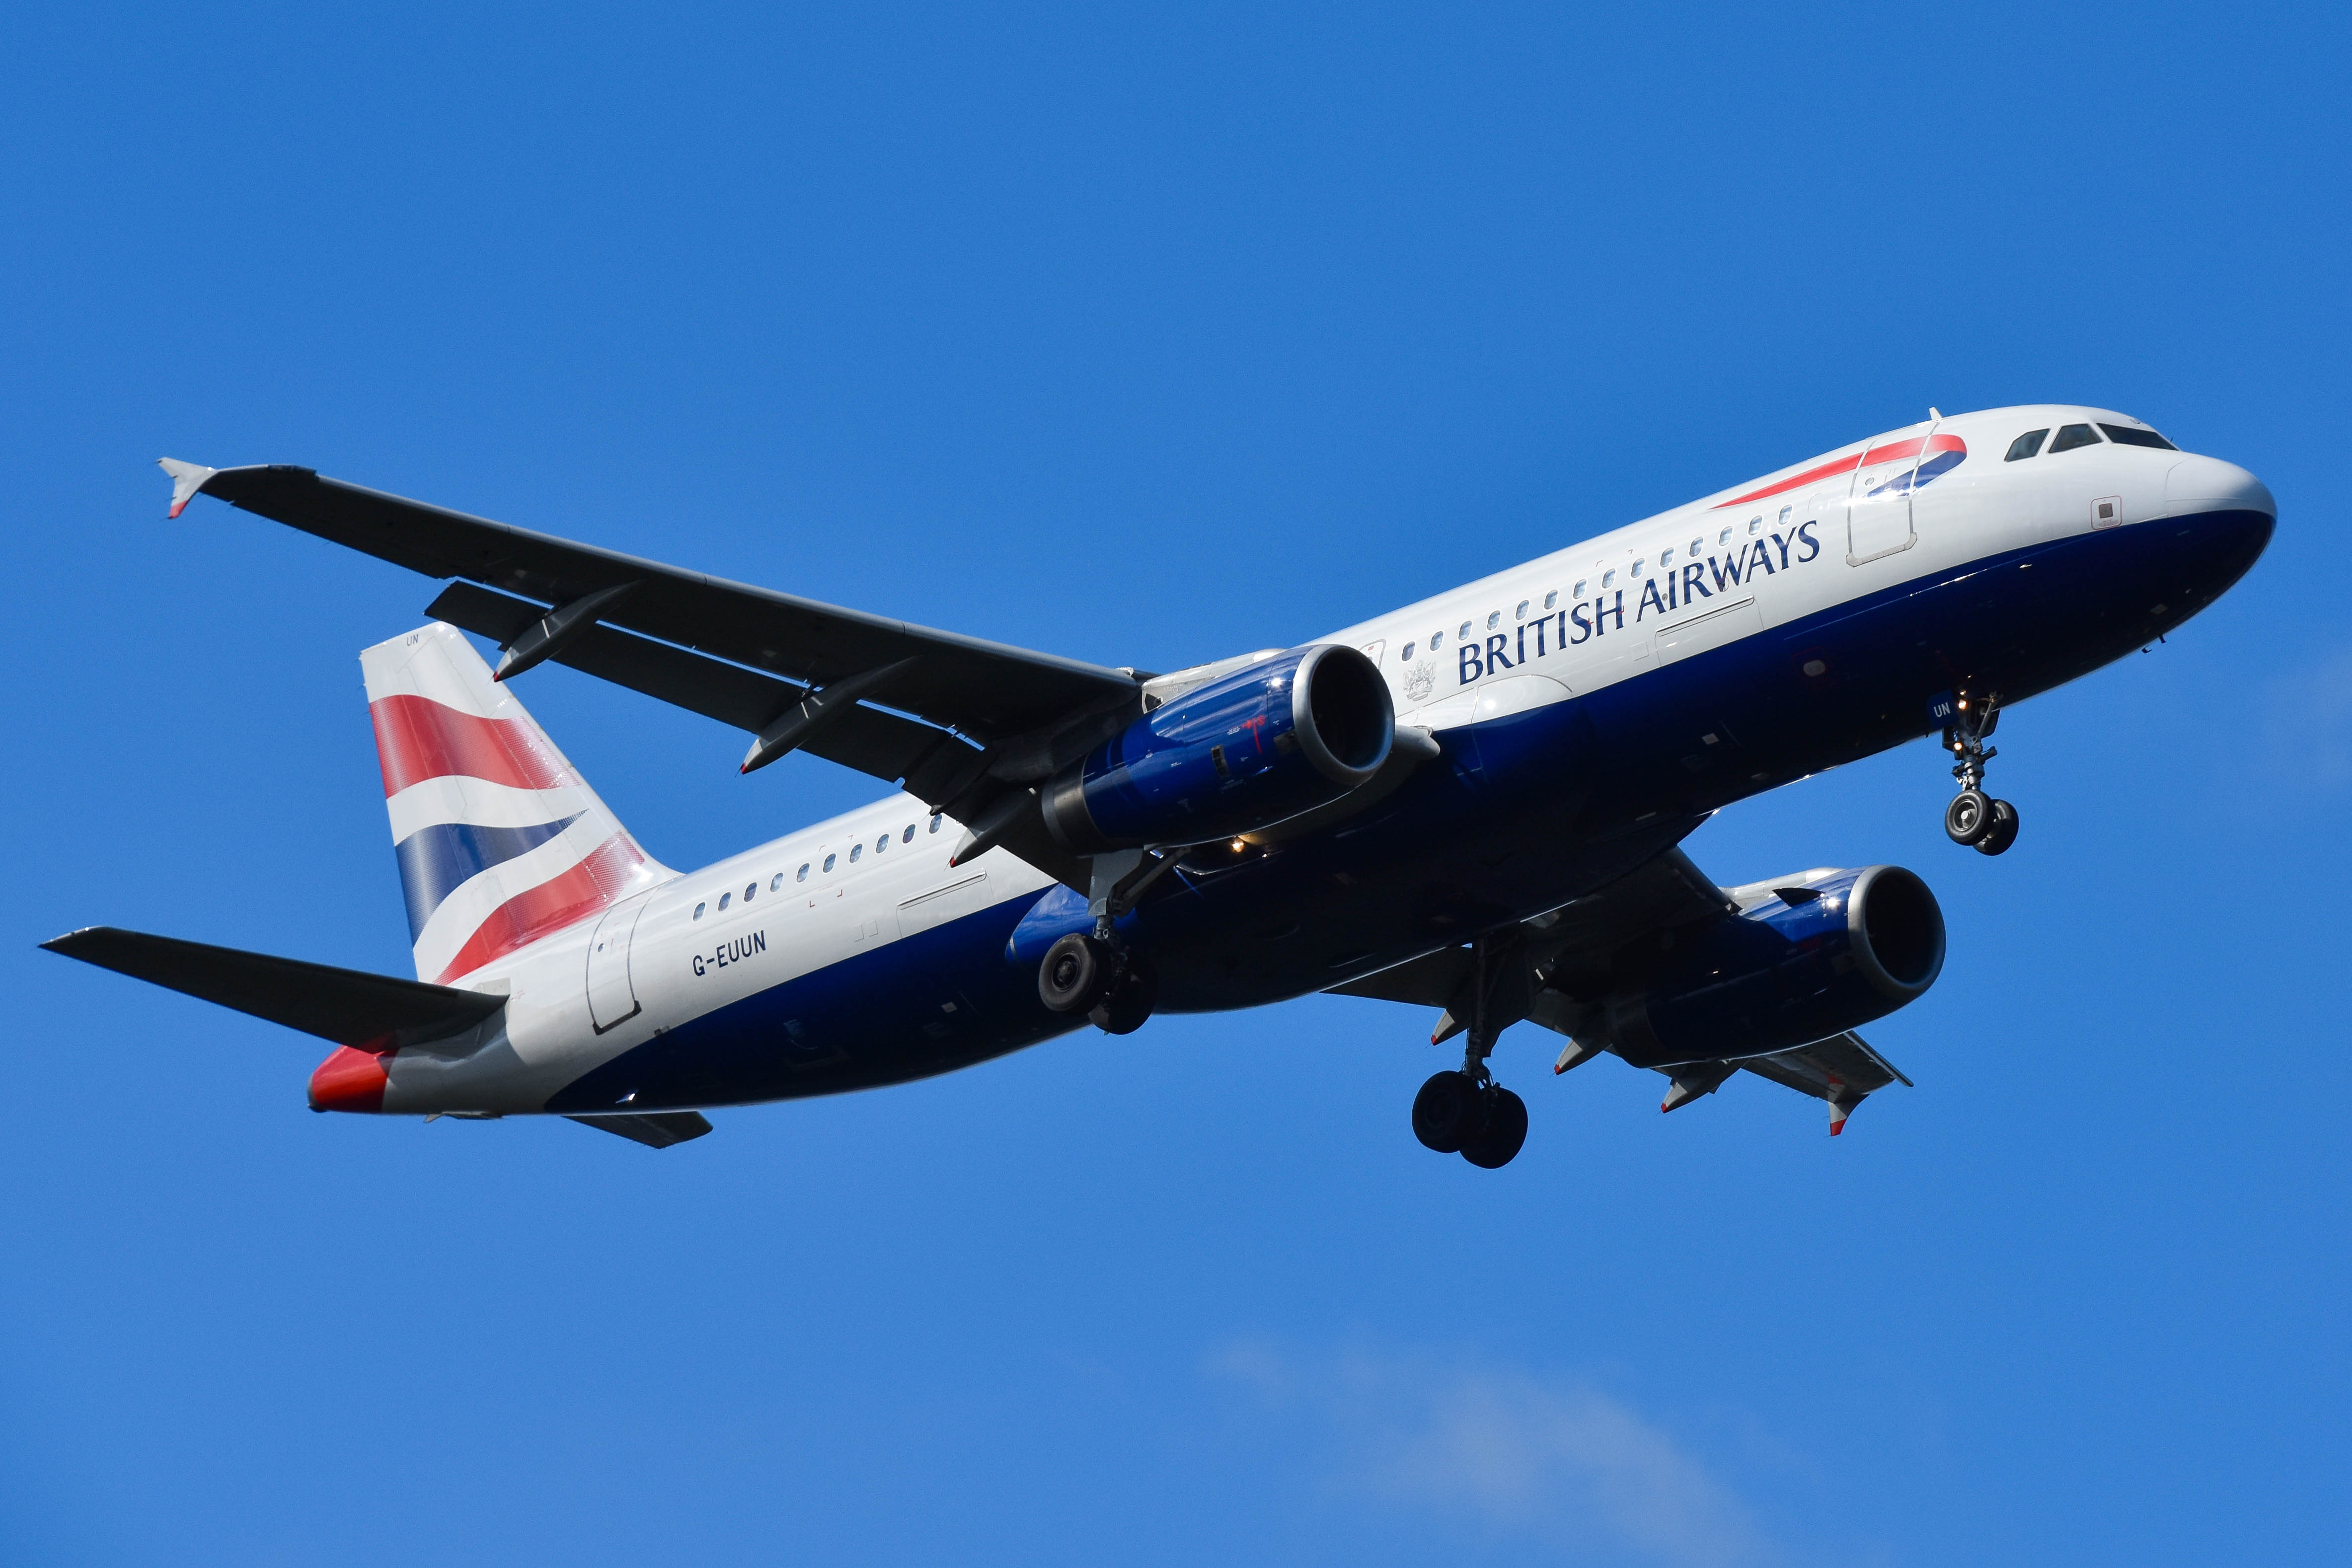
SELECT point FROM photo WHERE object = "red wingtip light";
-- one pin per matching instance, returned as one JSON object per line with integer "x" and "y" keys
{"x": 350, "y": 1080}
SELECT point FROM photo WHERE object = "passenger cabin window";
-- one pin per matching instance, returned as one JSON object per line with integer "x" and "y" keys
{"x": 854, "y": 850}
{"x": 1697, "y": 546}
{"x": 2069, "y": 436}
{"x": 881, "y": 844}
{"x": 1666, "y": 556}
{"x": 2027, "y": 445}
{"x": 1522, "y": 613}
{"x": 935, "y": 821}
{"x": 1608, "y": 579}
{"x": 1408, "y": 652}
{"x": 2124, "y": 435}
{"x": 1551, "y": 599}
{"x": 802, "y": 876}
{"x": 1436, "y": 641}
{"x": 723, "y": 899}
{"x": 1494, "y": 620}
{"x": 1463, "y": 635}
{"x": 776, "y": 882}
{"x": 699, "y": 909}
{"x": 1724, "y": 537}
{"x": 908, "y": 836}
{"x": 829, "y": 860}
{"x": 1785, "y": 513}
{"x": 1638, "y": 565}
{"x": 749, "y": 891}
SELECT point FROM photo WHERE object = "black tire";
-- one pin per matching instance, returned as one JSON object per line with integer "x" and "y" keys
{"x": 1449, "y": 1112}
{"x": 2002, "y": 832}
{"x": 1129, "y": 1003}
{"x": 1076, "y": 972}
{"x": 1507, "y": 1131}
{"x": 1969, "y": 817}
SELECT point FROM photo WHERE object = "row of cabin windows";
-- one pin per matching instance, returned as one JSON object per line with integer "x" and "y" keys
{"x": 1608, "y": 580}
{"x": 776, "y": 882}
{"x": 2027, "y": 445}
{"x": 2069, "y": 436}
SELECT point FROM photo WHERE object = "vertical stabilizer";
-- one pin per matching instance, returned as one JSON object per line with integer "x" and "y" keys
{"x": 499, "y": 840}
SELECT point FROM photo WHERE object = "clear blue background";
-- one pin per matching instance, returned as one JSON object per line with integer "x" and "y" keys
{"x": 1148, "y": 338}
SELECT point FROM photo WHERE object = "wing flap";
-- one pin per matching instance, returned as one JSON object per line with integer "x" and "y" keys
{"x": 933, "y": 764}
{"x": 349, "y": 1006}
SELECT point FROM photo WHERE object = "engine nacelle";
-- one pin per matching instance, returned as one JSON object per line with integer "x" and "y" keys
{"x": 1809, "y": 961}
{"x": 1240, "y": 753}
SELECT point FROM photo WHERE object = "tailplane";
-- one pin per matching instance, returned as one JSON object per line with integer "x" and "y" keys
{"x": 499, "y": 840}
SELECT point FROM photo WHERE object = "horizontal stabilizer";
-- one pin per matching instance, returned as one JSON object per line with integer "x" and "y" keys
{"x": 349, "y": 1006}
{"x": 656, "y": 1129}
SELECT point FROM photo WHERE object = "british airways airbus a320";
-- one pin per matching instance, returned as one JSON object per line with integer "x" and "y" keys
{"x": 1471, "y": 804}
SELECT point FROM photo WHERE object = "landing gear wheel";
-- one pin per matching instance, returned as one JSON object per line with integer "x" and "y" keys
{"x": 1969, "y": 817}
{"x": 1450, "y": 1112}
{"x": 1077, "y": 970}
{"x": 2001, "y": 832}
{"x": 1129, "y": 1003}
{"x": 1507, "y": 1130}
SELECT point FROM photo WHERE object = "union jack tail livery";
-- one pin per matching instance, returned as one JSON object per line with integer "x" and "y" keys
{"x": 499, "y": 840}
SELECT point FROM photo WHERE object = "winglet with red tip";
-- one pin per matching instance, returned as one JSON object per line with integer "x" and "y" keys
{"x": 187, "y": 478}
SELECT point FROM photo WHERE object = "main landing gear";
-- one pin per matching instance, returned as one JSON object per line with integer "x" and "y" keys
{"x": 1974, "y": 817}
{"x": 1465, "y": 1112}
{"x": 1475, "y": 1117}
{"x": 1095, "y": 973}
{"x": 1100, "y": 976}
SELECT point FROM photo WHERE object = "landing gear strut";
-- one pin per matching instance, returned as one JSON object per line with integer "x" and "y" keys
{"x": 1975, "y": 818}
{"x": 1465, "y": 1112}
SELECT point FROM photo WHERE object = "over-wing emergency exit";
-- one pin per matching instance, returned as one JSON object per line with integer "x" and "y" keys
{"x": 1472, "y": 805}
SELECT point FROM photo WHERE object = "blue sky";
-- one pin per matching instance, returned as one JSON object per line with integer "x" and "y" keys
{"x": 1149, "y": 337}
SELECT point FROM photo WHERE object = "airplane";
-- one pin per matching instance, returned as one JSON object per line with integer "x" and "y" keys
{"x": 1472, "y": 804}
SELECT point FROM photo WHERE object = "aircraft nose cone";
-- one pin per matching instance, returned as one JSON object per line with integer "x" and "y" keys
{"x": 349, "y": 1080}
{"x": 2209, "y": 484}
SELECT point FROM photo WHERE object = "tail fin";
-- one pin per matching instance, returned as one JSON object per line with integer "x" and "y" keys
{"x": 500, "y": 842}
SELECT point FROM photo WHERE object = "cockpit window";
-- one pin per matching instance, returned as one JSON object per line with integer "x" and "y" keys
{"x": 2072, "y": 435}
{"x": 2124, "y": 435}
{"x": 2027, "y": 445}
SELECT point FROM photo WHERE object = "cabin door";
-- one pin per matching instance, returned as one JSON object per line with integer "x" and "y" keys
{"x": 1878, "y": 508}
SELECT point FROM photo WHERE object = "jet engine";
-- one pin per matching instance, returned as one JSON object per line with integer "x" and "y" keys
{"x": 1810, "y": 959}
{"x": 1242, "y": 752}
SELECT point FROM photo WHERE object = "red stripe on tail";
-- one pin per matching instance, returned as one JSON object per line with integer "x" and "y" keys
{"x": 417, "y": 738}
{"x": 596, "y": 882}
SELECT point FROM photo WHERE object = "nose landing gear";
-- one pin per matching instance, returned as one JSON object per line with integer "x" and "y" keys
{"x": 1975, "y": 818}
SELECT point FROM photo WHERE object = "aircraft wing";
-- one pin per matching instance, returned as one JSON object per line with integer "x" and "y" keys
{"x": 799, "y": 674}
{"x": 1567, "y": 944}
{"x": 1549, "y": 970}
